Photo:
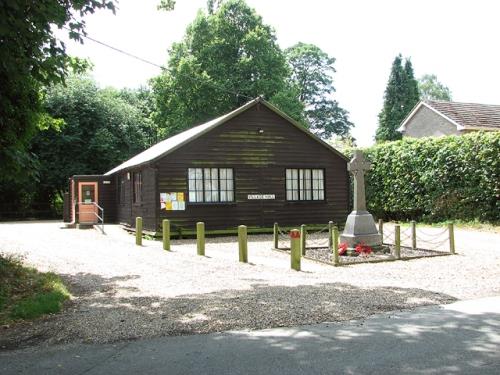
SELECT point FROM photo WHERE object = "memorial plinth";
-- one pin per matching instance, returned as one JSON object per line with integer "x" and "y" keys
{"x": 360, "y": 226}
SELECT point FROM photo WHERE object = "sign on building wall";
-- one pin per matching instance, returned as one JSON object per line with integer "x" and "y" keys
{"x": 172, "y": 201}
{"x": 261, "y": 196}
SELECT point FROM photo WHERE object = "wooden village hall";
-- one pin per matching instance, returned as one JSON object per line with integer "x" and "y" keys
{"x": 253, "y": 166}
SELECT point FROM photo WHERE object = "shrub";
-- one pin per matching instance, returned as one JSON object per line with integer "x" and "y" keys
{"x": 436, "y": 179}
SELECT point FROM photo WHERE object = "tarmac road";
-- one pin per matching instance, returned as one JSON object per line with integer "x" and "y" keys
{"x": 460, "y": 338}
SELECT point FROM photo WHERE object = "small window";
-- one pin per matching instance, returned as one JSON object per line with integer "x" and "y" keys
{"x": 137, "y": 184}
{"x": 211, "y": 185}
{"x": 305, "y": 184}
{"x": 121, "y": 189}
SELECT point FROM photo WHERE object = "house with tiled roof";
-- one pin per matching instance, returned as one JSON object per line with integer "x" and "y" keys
{"x": 439, "y": 118}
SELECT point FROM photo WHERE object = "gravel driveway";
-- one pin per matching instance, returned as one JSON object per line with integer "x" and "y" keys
{"x": 124, "y": 292}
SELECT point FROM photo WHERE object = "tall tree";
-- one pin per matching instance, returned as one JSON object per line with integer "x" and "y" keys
{"x": 101, "y": 129}
{"x": 401, "y": 95}
{"x": 225, "y": 59}
{"x": 312, "y": 75}
{"x": 31, "y": 56}
{"x": 431, "y": 89}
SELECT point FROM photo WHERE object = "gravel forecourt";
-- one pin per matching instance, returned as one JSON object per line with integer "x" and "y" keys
{"x": 123, "y": 292}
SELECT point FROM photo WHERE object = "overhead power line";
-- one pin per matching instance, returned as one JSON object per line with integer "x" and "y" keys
{"x": 152, "y": 63}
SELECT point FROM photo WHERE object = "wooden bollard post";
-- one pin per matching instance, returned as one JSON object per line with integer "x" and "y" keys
{"x": 138, "y": 231}
{"x": 413, "y": 235}
{"x": 166, "y": 234}
{"x": 242, "y": 243}
{"x": 330, "y": 234}
{"x": 335, "y": 245}
{"x": 275, "y": 235}
{"x": 397, "y": 241}
{"x": 295, "y": 249}
{"x": 381, "y": 228}
{"x": 303, "y": 239}
{"x": 200, "y": 238}
{"x": 451, "y": 234}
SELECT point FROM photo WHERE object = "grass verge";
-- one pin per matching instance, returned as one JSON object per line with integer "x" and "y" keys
{"x": 26, "y": 293}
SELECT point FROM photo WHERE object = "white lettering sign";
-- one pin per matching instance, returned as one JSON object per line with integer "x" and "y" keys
{"x": 261, "y": 196}
{"x": 106, "y": 182}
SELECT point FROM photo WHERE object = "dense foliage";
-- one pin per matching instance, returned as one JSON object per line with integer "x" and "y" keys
{"x": 312, "y": 72}
{"x": 401, "y": 95}
{"x": 430, "y": 88}
{"x": 436, "y": 179}
{"x": 228, "y": 57}
{"x": 225, "y": 59}
{"x": 101, "y": 130}
{"x": 32, "y": 57}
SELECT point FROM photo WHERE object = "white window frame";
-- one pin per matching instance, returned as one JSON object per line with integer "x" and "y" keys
{"x": 211, "y": 185}
{"x": 305, "y": 184}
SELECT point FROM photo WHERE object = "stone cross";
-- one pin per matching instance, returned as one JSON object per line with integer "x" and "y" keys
{"x": 357, "y": 167}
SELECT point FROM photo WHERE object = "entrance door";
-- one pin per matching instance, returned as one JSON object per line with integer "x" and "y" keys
{"x": 87, "y": 199}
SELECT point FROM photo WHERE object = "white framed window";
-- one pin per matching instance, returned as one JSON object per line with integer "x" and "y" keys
{"x": 305, "y": 184}
{"x": 211, "y": 185}
{"x": 137, "y": 187}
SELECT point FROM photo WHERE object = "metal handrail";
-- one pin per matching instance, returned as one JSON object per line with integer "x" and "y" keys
{"x": 98, "y": 217}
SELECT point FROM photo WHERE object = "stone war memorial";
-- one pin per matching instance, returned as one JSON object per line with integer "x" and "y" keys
{"x": 360, "y": 227}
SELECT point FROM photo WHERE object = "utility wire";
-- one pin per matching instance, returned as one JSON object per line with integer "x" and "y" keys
{"x": 152, "y": 63}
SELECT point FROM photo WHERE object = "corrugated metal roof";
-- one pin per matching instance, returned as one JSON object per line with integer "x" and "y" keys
{"x": 170, "y": 144}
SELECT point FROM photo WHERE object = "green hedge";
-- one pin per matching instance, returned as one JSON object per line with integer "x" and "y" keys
{"x": 436, "y": 179}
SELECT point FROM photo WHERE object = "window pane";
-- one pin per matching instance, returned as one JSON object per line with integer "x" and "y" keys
{"x": 222, "y": 173}
{"x": 192, "y": 196}
{"x": 229, "y": 173}
{"x": 223, "y": 196}
{"x": 230, "y": 196}
{"x": 223, "y": 185}
{"x": 230, "y": 185}
{"x": 301, "y": 184}
{"x": 199, "y": 196}
{"x": 315, "y": 195}
{"x": 315, "y": 184}
{"x": 321, "y": 195}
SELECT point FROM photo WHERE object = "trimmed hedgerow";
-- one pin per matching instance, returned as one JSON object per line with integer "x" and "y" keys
{"x": 436, "y": 179}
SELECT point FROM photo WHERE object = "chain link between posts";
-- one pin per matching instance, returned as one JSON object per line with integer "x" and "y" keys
{"x": 426, "y": 240}
{"x": 313, "y": 239}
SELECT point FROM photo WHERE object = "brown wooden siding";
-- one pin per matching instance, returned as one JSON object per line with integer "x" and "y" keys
{"x": 127, "y": 209}
{"x": 259, "y": 162}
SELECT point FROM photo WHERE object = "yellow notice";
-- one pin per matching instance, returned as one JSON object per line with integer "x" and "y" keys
{"x": 168, "y": 206}
{"x": 180, "y": 197}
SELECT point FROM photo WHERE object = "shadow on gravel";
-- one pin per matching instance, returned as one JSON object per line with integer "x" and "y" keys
{"x": 98, "y": 315}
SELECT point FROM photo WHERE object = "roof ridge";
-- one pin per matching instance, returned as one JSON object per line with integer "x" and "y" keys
{"x": 454, "y": 102}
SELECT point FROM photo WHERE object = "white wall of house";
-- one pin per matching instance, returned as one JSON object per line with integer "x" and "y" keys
{"x": 427, "y": 123}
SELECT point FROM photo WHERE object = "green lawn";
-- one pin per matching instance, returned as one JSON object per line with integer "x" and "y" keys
{"x": 26, "y": 293}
